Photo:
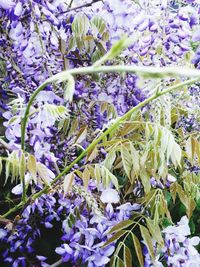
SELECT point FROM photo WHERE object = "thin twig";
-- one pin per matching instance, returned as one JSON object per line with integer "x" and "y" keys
{"x": 58, "y": 263}
{"x": 79, "y": 7}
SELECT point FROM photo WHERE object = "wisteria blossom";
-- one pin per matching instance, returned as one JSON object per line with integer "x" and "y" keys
{"x": 99, "y": 134}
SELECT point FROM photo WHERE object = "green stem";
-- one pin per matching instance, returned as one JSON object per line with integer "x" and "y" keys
{"x": 24, "y": 197}
{"x": 17, "y": 207}
{"x": 148, "y": 72}
{"x": 26, "y": 114}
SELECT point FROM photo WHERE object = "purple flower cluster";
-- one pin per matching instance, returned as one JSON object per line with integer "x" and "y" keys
{"x": 179, "y": 248}
{"x": 35, "y": 45}
{"x": 34, "y": 40}
{"x": 162, "y": 30}
{"x": 85, "y": 229}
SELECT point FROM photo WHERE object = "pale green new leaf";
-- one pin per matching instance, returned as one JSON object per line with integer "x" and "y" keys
{"x": 126, "y": 160}
{"x": 118, "y": 47}
{"x": 111, "y": 178}
{"x": 81, "y": 134}
{"x": 155, "y": 231}
{"x": 56, "y": 112}
{"x": 86, "y": 177}
{"x": 44, "y": 173}
{"x": 1, "y": 166}
{"x": 14, "y": 164}
{"x": 68, "y": 181}
{"x": 32, "y": 167}
{"x": 110, "y": 158}
{"x": 115, "y": 50}
{"x": 97, "y": 55}
{"x": 135, "y": 160}
{"x": 176, "y": 155}
{"x": 80, "y": 25}
{"x": 8, "y": 167}
{"x": 104, "y": 176}
{"x": 99, "y": 23}
{"x": 145, "y": 180}
{"x": 69, "y": 88}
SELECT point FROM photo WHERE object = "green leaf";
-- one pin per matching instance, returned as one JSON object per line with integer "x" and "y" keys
{"x": 118, "y": 263}
{"x": 56, "y": 112}
{"x": 69, "y": 88}
{"x": 155, "y": 231}
{"x": 32, "y": 167}
{"x": 126, "y": 160}
{"x": 120, "y": 226}
{"x": 1, "y": 166}
{"x": 96, "y": 55}
{"x": 14, "y": 164}
{"x": 92, "y": 154}
{"x": 72, "y": 219}
{"x": 176, "y": 155}
{"x": 97, "y": 173}
{"x": 145, "y": 181}
{"x": 80, "y": 25}
{"x": 115, "y": 50}
{"x": 173, "y": 191}
{"x": 86, "y": 177}
{"x": 127, "y": 257}
{"x": 138, "y": 249}
{"x": 115, "y": 237}
{"x": 135, "y": 160}
{"x": 8, "y": 166}
{"x": 44, "y": 173}
{"x": 118, "y": 47}
{"x": 109, "y": 177}
{"x": 187, "y": 201}
{"x": 99, "y": 23}
{"x": 68, "y": 181}
{"x": 81, "y": 134}
{"x": 148, "y": 241}
{"x": 72, "y": 42}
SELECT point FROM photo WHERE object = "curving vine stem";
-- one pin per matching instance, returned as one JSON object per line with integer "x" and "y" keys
{"x": 146, "y": 72}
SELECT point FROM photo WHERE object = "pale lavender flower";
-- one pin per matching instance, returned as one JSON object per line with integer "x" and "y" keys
{"x": 109, "y": 196}
{"x": 7, "y": 4}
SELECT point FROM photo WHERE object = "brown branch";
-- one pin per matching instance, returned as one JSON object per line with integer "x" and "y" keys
{"x": 79, "y": 7}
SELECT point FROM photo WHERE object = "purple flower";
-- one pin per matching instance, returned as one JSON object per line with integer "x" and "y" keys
{"x": 109, "y": 196}
{"x": 196, "y": 36}
{"x": 6, "y": 4}
{"x": 3, "y": 233}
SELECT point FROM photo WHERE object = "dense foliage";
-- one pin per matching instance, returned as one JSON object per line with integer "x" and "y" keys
{"x": 100, "y": 145}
